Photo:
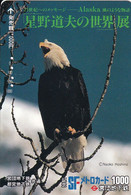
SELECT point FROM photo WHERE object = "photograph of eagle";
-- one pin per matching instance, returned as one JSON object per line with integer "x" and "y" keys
{"x": 63, "y": 102}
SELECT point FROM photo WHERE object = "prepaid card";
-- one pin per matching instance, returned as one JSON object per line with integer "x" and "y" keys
{"x": 94, "y": 38}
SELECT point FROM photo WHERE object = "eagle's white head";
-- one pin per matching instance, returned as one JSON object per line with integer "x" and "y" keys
{"x": 54, "y": 55}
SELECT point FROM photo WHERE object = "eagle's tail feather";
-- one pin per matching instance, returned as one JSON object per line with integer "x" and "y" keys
{"x": 74, "y": 149}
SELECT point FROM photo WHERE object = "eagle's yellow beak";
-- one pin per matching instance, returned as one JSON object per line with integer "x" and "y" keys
{"x": 42, "y": 44}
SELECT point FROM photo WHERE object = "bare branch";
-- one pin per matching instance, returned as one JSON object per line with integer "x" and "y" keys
{"x": 7, "y": 81}
{"x": 14, "y": 8}
{"x": 3, "y": 72}
{"x": 47, "y": 174}
{"x": 30, "y": 156}
{"x": 2, "y": 44}
{"x": 18, "y": 7}
{"x": 80, "y": 193}
{"x": 24, "y": 186}
{"x": 27, "y": 164}
{"x": 42, "y": 142}
{"x": 27, "y": 81}
{"x": 43, "y": 173}
{"x": 23, "y": 30}
{"x": 105, "y": 192}
{"x": 22, "y": 167}
{"x": 19, "y": 14}
{"x": 53, "y": 159}
{"x": 48, "y": 190}
{"x": 34, "y": 170}
{"x": 69, "y": 162}
{"x": 16, "y": 45}
{"x": 55, "y": 171}
{"x": 4, "y": 36}
{"x": 33, "y": 188}
{"x": 40, "y": 161}
{"x": 21, "y": 134}
{"x": 21, "y": 60}
{"x": 26, "y": 1}
{"x": 64, "y": 153}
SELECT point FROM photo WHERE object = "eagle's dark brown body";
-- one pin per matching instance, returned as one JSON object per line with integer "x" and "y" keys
{"x": 63, "y": 100}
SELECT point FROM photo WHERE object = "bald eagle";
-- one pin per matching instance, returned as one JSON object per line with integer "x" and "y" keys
{"x": 63, "y": 101}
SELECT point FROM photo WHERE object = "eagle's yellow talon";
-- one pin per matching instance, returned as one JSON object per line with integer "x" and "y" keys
{"x": 72, "y": 130}
{"x": 57, "y": 130}
{"x": 69, "y": 128}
